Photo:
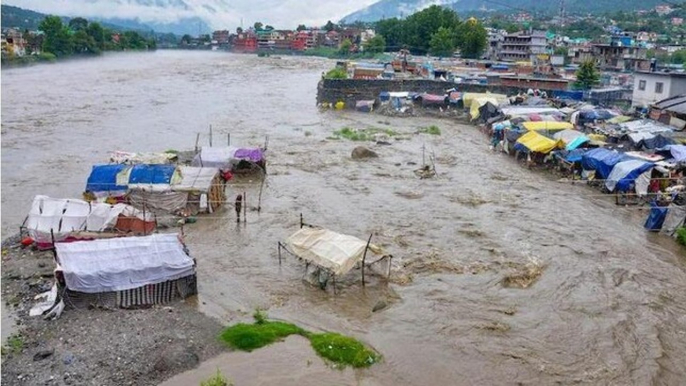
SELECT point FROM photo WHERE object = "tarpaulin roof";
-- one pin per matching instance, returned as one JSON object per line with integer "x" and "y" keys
{"x": 645, "y": 125}
{"x": 221, "y": 157}
{"x": 64, "y": 216}
{"x": 528, "y": 110}
{"x": 123, "y": 157}
{"x": 601, "y": 160}
{"x": 620, "y": 119}
{"x": 433, "y": 98}
{"x": 624, "y": 173}
{"x": 195, "y": 179}
{"x": 547, "y": 125}
{"x": 678, "y": 152}
{"x": 476, "y": 104}
{"x": 104, "y": 178}
{"x": 123, "y": 263}
{"x": 536, "y": 142}
{"x": 151, "y": 174}
{"x": 571, "y": 138}
{"x": 333, "y": 251}
{"x": 571, "y": 155}
{"x": 469, "y": 97}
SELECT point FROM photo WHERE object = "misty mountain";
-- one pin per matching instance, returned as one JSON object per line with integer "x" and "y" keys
{"x": 385, "y": 9}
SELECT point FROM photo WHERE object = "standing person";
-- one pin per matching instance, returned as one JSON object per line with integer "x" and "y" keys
{"x": 238, "y": 205}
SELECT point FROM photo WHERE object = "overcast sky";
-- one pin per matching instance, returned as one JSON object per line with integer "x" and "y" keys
{"x": 217, "y": 13}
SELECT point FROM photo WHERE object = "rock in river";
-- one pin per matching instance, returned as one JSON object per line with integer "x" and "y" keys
{"x": 361, "y": 152}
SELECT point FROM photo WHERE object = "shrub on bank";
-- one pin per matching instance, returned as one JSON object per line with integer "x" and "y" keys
{"x": 216, "y": 380}
{"x": 336, "y": 73}
{"x": 46, "y": 57}
{"x": 681, "y": 235}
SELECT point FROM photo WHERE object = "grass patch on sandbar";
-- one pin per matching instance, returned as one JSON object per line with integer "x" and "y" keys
{"x": 343, "y": 350}
{"x": 433, "y": 130}
{"x": 337, "y": 348}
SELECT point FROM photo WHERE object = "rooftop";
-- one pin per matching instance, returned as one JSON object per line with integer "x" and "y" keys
{"x": 675, "y": 104}
{"x": 670, "y": 74}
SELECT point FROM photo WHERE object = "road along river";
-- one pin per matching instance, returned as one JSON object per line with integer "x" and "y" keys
{"x": 608, "y": 308}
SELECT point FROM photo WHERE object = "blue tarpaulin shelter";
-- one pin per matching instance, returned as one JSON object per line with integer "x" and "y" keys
{"x": 656, "y": 217}
{"x": 151, "y": 174}
{"x": 103, "y": 178}
{"x": 624, "y": 174}
{"x": 602, "y": 161}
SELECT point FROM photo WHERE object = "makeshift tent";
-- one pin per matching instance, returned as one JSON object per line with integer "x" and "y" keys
{"x": 619, "y": 119}
{"x": 455, "y": 97}
{"x": 103, "y": 180}
{"x": 547, "y": 125}
{"x": 624, "y": 173}
{"x": 570, "y": 155}
{"x": 678, "y": 152}
{"x": 364, "y": 106}
{"x": 469, "y": 97}
{"x": 657, "y": 142}
{"x": 334, "y": 252}
{"x": 523, "y": 110}
{"x": 228, "y": 157}
{"x": 645, "y": 125}
{"x": 432, "y": 100}
{"x": 67, "y": 218}
{"x": 205, "y": 188}
{"x": 488, "y": 111}
{"x": 151, "y": 177}
{"x": 601, "y": 160}
{"x": 136, "y": 270}
{"x": 474, "y": 110}
{"x": 571, "y": 138}
{"x": 536, "y": 142}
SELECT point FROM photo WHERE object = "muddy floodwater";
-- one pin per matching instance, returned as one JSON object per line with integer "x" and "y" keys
{"x": 609, "y": 306}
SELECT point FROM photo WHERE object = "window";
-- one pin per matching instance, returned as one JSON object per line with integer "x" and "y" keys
{"x": 642, "y": 85}
{"x": 658, "y": 87}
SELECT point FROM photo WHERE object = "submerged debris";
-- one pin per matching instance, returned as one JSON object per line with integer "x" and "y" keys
{"x": 525, "y": 277}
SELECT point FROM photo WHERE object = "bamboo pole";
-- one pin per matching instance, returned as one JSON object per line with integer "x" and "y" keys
{"x": 197, "y": 139}
{"x": 301, "y": 221}
{"x": 228, "y": 139}
{"x": 210, "y": 135}
{"x": 245, "y": 207}
{"x": 279, "y": 242}
{"x": 145, "y": 231}
{"x": 364, "y": 256}
{"x": 259, "y": 198}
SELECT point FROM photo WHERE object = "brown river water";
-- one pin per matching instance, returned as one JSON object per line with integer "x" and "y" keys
{"x": 608, "y": 308}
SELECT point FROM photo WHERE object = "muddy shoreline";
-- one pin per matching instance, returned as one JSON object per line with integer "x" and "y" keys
{"x": 96, "y": 346}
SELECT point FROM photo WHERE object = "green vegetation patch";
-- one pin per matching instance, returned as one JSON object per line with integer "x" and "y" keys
{"x": 433, "y": 130}
{"x": 336, "y": 73}
{"x": 681, "y": 235}
{"x": 343, "y": 350}
{"x": 362, "y": 134}
{"x": 216, "y": 380}
{"x": 15, "y": 344}
{"x": 334, "y": 347}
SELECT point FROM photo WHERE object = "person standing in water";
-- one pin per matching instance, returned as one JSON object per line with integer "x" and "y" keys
{"x": 238, "y": 205}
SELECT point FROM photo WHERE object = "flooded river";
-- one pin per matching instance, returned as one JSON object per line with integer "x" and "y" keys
{"x": 608, "y": 308}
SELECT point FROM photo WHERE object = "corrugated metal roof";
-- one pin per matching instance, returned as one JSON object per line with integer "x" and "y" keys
{"x": 676, "y": 104}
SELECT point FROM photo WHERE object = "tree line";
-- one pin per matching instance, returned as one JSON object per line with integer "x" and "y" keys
{"x": 82, "y": 37}
{"x": 435, "y": 30}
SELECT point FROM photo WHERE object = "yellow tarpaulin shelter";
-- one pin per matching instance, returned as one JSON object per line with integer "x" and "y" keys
{"x": 547, "y": 125}
{"x": 620, "y": 119}
{"x": 538, "y": 143}
{"x": 477, "y": 103}
{"x": 468, "y": 97}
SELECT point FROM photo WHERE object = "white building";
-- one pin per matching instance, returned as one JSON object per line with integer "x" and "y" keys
{"x": 650, "y": 87}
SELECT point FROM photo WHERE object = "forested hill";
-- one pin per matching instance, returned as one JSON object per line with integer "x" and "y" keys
{"x": 385, "y": 9}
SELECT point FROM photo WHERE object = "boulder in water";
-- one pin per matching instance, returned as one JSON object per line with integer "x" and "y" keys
{"x": 361, "y": 152}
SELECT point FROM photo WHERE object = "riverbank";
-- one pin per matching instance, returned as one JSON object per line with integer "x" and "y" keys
{"x": 96, "y": 346}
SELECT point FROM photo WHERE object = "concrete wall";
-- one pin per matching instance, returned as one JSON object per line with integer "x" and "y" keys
{"x": 671, "y": 85}
{"x": 352, "y": 90}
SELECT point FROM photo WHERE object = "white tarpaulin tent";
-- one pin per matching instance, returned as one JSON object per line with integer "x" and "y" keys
{"x": 64, "y": 216}
{"x": 332, "y": 251}
{"x": 216, "y": 157}
{"x": 124, "y": 263}
{"x": 195, "y": 179}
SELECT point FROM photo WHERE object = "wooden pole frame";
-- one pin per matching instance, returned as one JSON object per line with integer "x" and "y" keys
{"x": 197, "y": 139}
{"x": 364, "y": 256}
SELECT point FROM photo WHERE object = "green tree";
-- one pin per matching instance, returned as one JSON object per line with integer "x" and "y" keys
{"x": 186, "y": 39}
{"x": 57, "y": 39}
{"x": 587, "y": 76}
{"x": 258, "y": 26}
{"x": 329, "y": 26}
{"x": 268, "y": 28}
{"x": 78, "y": 24}
{"x": 301, "y": 27}
{"x": 376, "y": 45}
{"x": 679, "y": 57}
{"x": 421, "y": 26}
{"x": 392, "y": 31}
{"x": 96, "y": 31}
{"x": 345, "y": 47}
{"x": 442, "y": 42}
{"x": 84, "y": 43}
{"x": 472, "y": 39}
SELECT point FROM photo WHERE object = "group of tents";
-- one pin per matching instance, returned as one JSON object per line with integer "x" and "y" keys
{"x": 635, "y": 158}
{"x": 106, "y": 246}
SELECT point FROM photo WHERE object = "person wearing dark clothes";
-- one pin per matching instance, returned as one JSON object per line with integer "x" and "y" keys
{"x": 238, "y": 205}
